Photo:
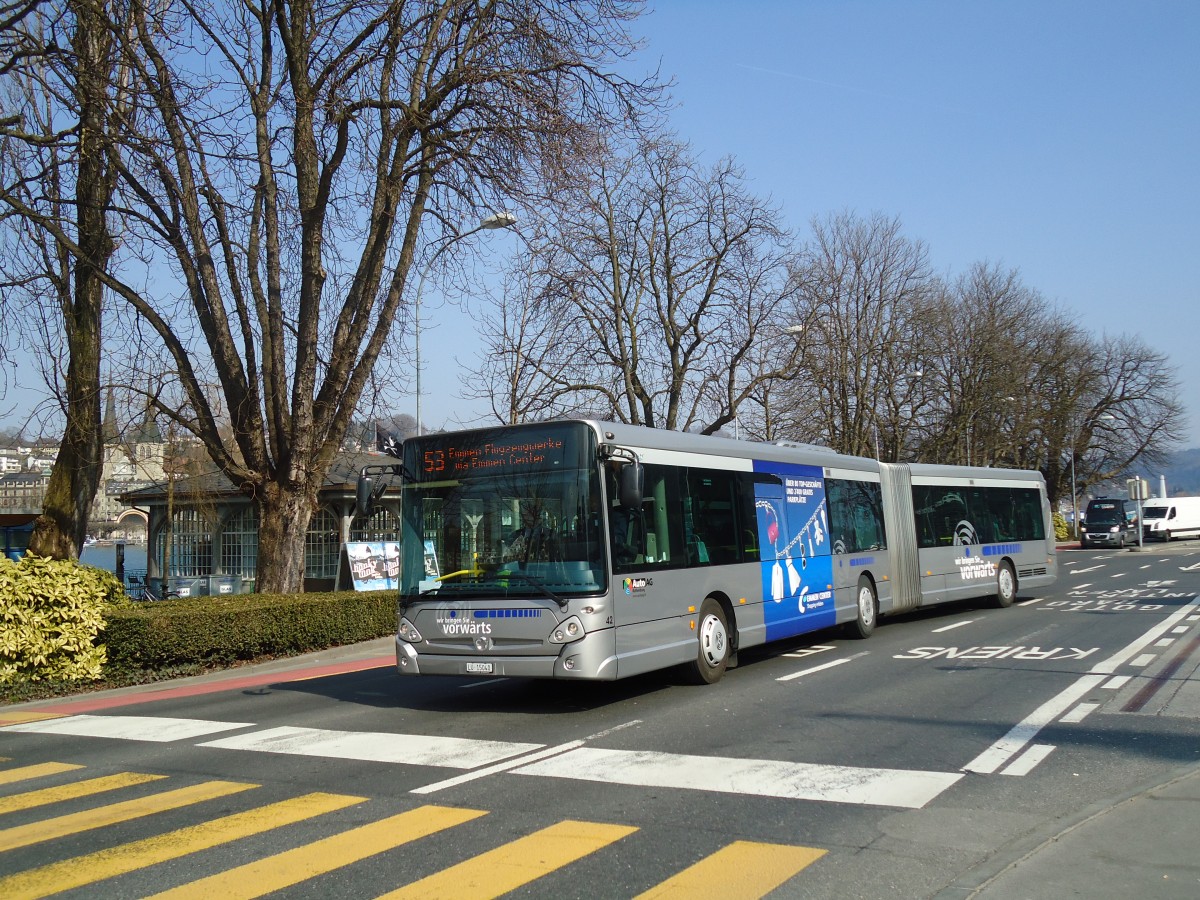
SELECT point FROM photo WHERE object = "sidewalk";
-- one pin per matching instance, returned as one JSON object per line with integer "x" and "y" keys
{"x": 1140, "y": 845}
{"x": 334, "y": 661}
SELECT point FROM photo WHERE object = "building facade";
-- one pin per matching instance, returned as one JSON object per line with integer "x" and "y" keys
{"x": 203, "y": 533}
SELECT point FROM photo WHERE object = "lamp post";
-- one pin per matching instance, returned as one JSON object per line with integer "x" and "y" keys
{"x": 1074, "y": 492}
{"x": 492, "y": 222}
{"x": 971, "y": 425}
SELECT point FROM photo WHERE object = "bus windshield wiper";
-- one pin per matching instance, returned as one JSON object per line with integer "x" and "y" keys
{"x": 535, "y": 582}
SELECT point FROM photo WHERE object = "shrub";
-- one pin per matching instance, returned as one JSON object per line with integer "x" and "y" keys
{"x": 52, "y": 612}
{"x": 1062, "y": 531}
{"x": 216, "y": 631}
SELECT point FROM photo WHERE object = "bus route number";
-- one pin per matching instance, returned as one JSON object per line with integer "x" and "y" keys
{"x": 435, "y": 460}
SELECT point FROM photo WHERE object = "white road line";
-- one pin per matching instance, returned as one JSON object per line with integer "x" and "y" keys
{"x": 1028, "y": 761}
{"x": 820, "y": 668}
{"x": 757, "y": 777}
{"x": 1117, "y": 681}
{"x": 1114, "y": 662}
{"x": 158, "y": 729}
{"x": 496, "y": 769}
{"x": 607, "y": 731}
{"x": 809, "y": 651}
{"x": 952, "y": 627}
{"x": 475, "y": 684}
{"x": 1079, "y": 713}
{"x": 1180, "y": 629}
{"x": 1024, "y": 731}
{"x": 1165, "y": 642}
{"x": 1144, "y": 660}
{"x": 411, "y": 749}
{"x": 1031, "y": 601}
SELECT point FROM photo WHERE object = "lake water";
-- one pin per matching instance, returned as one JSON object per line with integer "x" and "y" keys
{"x": 104, "y": 556}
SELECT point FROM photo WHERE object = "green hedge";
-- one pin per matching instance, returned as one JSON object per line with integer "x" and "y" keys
{"x": 218, "y": 631}
{"x": 51, "y": 613}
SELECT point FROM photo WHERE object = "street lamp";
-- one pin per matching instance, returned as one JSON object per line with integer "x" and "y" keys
{"x": 1074, "y": 494}
{"x": 492, "y": 222}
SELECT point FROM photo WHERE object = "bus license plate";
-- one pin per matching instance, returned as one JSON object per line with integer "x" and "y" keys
{"x": 479, "y": 668}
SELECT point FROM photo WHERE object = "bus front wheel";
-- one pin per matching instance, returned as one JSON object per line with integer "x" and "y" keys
{"x": 1006, "y": 585}
{"x": 868, "y": 609}
{"x": 712, "y": 654}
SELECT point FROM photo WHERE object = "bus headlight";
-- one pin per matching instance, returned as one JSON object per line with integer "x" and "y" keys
{"x": 567, "y": 631}
{"x": 406, "y": 631}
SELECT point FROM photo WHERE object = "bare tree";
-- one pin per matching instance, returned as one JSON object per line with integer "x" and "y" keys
{"x": 284, "y": 165}
{"x": 58, "y": 182}
{"x": 651, "y": 286}
{"x": 866, "y": 289}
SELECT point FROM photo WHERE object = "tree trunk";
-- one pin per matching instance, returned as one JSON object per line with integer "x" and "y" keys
{"x": 283, "y": 517}
{"x": 60, "y": 530}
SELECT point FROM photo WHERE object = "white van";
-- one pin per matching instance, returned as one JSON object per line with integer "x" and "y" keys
{"x": 1164, "y": 518}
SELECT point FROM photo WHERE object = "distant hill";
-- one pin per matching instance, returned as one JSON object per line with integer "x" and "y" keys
{"x": 1182, "y": 472}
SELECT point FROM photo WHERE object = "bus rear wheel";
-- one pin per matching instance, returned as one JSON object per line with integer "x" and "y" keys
{"x": 1006, "y": 585}
{"x": 712, "y": 654}
{"x": 868, "y": 609}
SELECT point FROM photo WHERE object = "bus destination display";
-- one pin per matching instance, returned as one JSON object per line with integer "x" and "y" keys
{"x": 485, "y": 453}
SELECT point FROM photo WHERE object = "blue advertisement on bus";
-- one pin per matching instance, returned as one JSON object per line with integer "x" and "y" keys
{"x": 793, "y": 532}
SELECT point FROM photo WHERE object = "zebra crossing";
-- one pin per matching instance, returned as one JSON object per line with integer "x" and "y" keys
{"x": 31, "y": 793}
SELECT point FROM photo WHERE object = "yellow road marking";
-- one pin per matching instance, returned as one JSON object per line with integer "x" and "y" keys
{"x": 88, "y": 819}
{"x": 285, "y": 869}
{"x": 8, "y": 776}
{"x": 84, "y": 870}
{"x": 87, "y": 788}
{"x": 515, "y": 864}
{"x": 743, "y": 870}
{"x": 20, "y": 718}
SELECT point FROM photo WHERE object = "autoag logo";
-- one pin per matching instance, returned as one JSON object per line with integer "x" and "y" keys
{"x": 636, "y": 585}
{"x": 453, "y": 624}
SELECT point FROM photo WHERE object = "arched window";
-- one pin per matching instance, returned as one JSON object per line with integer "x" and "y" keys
{"x": 239, "y": 543}
{"x": 191, "y": 547}
{"x": 321, "y": 545}
{"x": 383, "y": 525}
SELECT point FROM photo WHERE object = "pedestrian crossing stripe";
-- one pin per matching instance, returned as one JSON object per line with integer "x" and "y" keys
{"x": 40, "y": 770}
{"x": 84, "y": 870}
{"x": 20, "y": 718}
{"x": 499, "y": 871}
{"x": 912, "y": 789}
{"x": 740, "y": 869}
{"x": 294, "y": 866}
{"x": 115, "y": 813}
{"x": 73, "y": 791}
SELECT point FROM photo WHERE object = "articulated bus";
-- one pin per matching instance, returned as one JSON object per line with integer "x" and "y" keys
{"x": 592, "y": 550}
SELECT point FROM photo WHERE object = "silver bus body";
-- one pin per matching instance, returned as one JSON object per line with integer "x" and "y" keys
{"x": 747, "y": 526}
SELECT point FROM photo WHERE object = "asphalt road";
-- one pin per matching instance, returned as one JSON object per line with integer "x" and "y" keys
{"x": 911, "y": 764}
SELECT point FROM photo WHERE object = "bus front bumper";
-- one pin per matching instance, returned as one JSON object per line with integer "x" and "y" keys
{"x": 591, "y": 658}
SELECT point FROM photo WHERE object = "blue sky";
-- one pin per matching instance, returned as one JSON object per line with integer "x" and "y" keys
{"x": 1057, "y": 138}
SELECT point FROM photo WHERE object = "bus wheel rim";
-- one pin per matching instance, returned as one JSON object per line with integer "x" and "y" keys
{"x": 866, "y": 606}
{"x": 713, "y": 640}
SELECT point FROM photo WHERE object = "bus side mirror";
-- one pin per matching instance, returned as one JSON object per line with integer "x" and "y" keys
{"x": 630, "y": 481}
{"x": 364, "y": 497}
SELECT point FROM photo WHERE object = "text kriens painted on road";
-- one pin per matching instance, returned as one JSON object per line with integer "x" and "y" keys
{"x": 1020, "y": 652}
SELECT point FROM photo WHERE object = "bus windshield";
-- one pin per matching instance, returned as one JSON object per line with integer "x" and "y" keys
{"x": 518, "y": 517}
